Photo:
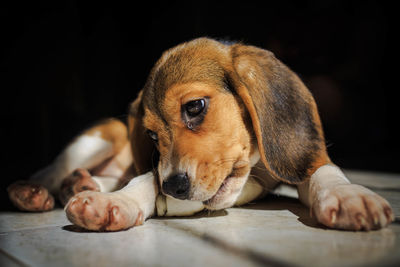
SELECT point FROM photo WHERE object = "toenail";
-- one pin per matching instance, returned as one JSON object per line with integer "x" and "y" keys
{"x": 69, "y": 205}
{"x": 47, "y": 204}
{"x": 333, "y": 217}
{"x": 86, "y": 201}
{"x": 362, "y": 221}
{"x": 389, "y": 213}
{"x": 139, "y": 219}
{"x": 115, "y": 211}
{"x": 376, "y": 221}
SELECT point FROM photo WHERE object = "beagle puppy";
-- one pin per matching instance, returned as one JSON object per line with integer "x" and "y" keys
{"x": 216, "y": 125}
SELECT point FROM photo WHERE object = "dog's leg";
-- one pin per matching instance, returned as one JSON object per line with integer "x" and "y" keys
{"x": 118, "y": 210}
{"x": 36, "y": 194}
{"x": 251, "y": 191}
{"x": 86, "y": 151}
{"x": 169, "y": 206}
{"x": 107, "y": 177}
{"x": 81, "y": 180}
{"x": 257, "y": 186}
{"x": 338, "y": 204}
{"x": 28, "y": 196}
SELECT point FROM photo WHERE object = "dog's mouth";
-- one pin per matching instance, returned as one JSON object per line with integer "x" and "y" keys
{"x": 230, "y": 188}
{"x": 224, "y": 190}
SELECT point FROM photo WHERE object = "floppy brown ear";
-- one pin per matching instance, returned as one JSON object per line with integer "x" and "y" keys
{"x": 143, "y": 149}
{"x": 283, "y": 113}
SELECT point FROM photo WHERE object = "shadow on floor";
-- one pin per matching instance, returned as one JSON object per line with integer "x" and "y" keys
{"x": 275, "y": 202}
{"x": 270, "y": 202}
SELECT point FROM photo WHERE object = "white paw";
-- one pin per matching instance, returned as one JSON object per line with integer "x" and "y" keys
{"x": 351, "y": 207}
{"x": 102, "y": 212}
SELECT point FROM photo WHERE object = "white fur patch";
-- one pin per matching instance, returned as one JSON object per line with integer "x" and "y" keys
{"x": 251, "y": 191}
{"x": 141, "y": 190}
{"x": 324, "y": 176}
{"x": 168, "y": 206}
{"x": 106, "y": 184}
{"x": 330, "y": 171}
{"x": 84, "y": 152}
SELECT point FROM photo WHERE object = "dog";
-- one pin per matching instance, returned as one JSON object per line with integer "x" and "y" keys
{"x": 216, "y": 124}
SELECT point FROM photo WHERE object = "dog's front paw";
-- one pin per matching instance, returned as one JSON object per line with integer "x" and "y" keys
{"x": 103, "y": 212}
{"x": 28, "y": 196}
{"x": 351, "y": 207}
{"x": 80, "y": 180}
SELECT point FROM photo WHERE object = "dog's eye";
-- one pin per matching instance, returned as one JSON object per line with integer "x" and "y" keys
{"x": 193, "y": 112}
{"x": 195, "y": 107}
{"x": 152, "y": 135}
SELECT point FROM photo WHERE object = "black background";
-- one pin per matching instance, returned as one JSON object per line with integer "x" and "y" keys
{"x": 68, "y": 64}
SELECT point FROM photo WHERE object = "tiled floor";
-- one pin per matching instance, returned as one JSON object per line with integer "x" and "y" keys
{"x": 276, "y": 231}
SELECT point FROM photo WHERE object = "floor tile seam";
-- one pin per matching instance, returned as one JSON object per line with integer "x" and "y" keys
{"x": 13, "y": 258}
{"x": 29, "y": 229}
{"x": 245, "y": 253}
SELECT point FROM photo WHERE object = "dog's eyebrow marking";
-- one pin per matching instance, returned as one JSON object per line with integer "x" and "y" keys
{"x": 155, "y": 117}
{"x": 165, "y": 124}
{"x": 158, "y": 113}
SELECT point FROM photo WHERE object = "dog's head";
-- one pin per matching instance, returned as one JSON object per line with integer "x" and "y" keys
{"x": 209, "y": 111}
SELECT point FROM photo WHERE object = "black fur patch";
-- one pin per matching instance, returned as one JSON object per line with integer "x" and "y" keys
{"x": 290, "y": 137}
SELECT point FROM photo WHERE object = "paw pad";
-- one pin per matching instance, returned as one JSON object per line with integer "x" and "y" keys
{"x": 102, "y": 212}
{"x": 79, "y": 181}
{"x": 27, "y": 196}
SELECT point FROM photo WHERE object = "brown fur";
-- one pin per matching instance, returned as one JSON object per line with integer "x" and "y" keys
{"x": 212, "y": 111}
{"x": 242, "y": 82}
{"x": 143, "y": 149}
{"x": 252, "y": 107}
{"x": 112, "y": 130}
{"x": 254, "y": 104}
{"x": 116, "y": 132}
{"x": 214, "y": 147}
{"x": 283, "y": 112}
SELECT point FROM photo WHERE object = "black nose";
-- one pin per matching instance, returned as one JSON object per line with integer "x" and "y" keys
{"x": 177, "y": 186}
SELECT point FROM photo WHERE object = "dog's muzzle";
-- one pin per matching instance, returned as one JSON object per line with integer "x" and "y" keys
{"x": 177, "y": 186}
